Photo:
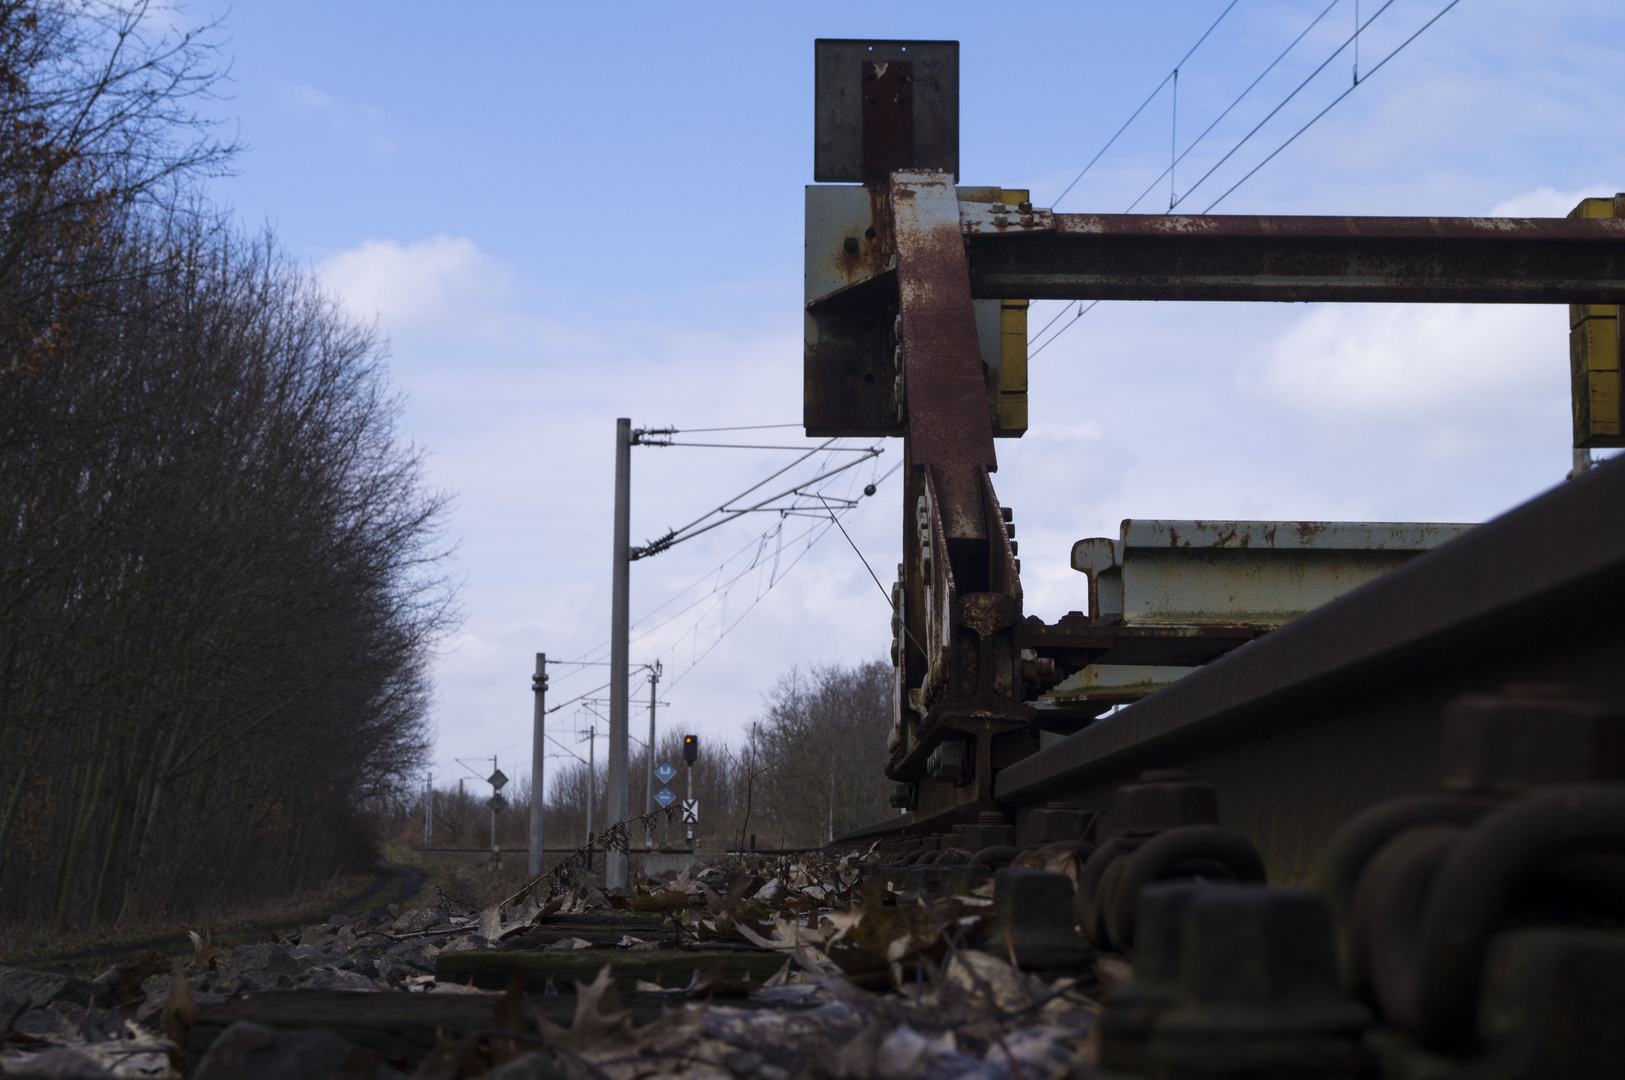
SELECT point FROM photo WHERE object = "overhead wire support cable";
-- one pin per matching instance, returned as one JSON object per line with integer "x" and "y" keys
{"x": 1173, "y": 142}
{"x": 738, "y": 427}
{"x": 891, "y": 603}
{"x": 694, "y": 528}
{"x": 804, "y": 541}
{"x": 749, "y": 446}
{"x": 761, "y": 483}
{"x": 578, "y": 697}
{"x": 1284, "y": 101}
{"x": 1082, "y": 310}
{"x": 1143, "y": 104}
{"x": 1227, "y": 111}
{"x": 1340, "y": 97}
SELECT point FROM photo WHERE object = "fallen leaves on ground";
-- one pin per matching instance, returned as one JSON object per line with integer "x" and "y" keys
{"x": 871, "y": 984}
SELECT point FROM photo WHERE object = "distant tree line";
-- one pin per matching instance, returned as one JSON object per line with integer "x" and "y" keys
{"x": 218, "y": 560}
{"x": 807, "y": 769}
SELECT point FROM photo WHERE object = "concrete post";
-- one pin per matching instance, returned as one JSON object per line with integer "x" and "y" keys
{"x": 538, "y": 725}
{"x": 649, "y": 772}
{"x": 615, "y": 862}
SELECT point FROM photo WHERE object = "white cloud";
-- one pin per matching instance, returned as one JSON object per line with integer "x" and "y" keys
{"x": 367, "y": 121}
{"x": 436, "y": 284}
{"x": 1452, "y": 364}
{"x": 1392, "y": 361}
{"x": 312, "y": 97}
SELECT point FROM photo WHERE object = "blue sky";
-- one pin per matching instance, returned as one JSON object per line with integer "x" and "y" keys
{"x": 561, "y": 214}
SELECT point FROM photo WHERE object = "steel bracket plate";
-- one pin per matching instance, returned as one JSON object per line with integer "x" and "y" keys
{"x": 927, "y": 120}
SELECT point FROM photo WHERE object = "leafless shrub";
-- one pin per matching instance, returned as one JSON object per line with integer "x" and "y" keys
{"x": 218, "y": 562}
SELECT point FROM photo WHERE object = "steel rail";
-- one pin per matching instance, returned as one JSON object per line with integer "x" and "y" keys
{"x": 1341, "y": 707}
{"x": 1350, "y": 259}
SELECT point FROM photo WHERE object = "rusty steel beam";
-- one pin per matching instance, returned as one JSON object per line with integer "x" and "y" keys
{"x": 943, "y": 388}
{"x": 1369, "y": 259}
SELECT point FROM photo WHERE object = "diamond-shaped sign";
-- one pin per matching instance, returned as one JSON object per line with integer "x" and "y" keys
{"x": 664, "y": 797}
{"x": 496, "y": 780}
{"x": 497, "y": 804}
{"x": 665, "y": 772}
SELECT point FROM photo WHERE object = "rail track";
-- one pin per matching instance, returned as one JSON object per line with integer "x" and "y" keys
{"x": 1344, "y": 706}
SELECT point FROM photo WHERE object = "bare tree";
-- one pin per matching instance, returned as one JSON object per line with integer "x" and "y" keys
{"x": 808, "y": 769}
{"x": 823, "y": 739}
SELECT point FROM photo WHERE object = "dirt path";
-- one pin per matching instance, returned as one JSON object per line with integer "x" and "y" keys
{"x": 391, "y": 883}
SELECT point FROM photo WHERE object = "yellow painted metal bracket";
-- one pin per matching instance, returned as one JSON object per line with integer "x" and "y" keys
{"x": 1594, "y": 354}
{"x": 1002, "y": 327}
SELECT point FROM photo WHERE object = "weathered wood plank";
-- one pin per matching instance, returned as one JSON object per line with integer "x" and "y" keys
{"x": 672, "y": 968}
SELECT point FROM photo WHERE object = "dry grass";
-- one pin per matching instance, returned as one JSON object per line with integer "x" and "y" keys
{"x": 92, "y": 949}
{"x": 466, "y": 877}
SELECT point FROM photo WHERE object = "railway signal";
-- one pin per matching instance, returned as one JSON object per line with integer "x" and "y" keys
{"x": 691, "y": 805}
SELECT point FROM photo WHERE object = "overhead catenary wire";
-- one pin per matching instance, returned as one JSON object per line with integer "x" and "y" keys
{"x": 1143, "y": 104}
{"x": 811, "y": 452}
{"x": 736, "y": 427}
{"x": 890, "y": 602}
{"x": 1227, "y": 111}
{"x": 748, "y": 446}
{"x": 1353, "y": 38}
{"x": 695, "y": 528}
{"x": 720, "y": 592}
{"x": 751, "y": 607}
{"x": 1286, "y": 100}
{"x": 805, "y": 541}
{"x": 721, "y": 588}
{"x": 779, "y": 577}
{"x": 1334, "y": 102}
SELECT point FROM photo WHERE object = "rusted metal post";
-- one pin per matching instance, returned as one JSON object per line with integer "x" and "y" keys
{"x": 592, "y": 784}
{"x": 538, "y": 685}
{"x": 615, "y": 861}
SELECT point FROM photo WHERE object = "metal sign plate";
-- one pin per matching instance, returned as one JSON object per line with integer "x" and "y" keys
{"x": 496, "y": 779}
{"x": 912, "y": 121}
{"x": 497, "y": 804}
{"x": 664, "y": 772}
{"x": 691, "y": 811}
{"x": 664, "y": 797}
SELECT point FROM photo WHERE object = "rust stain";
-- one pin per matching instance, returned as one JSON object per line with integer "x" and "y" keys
{"x": 1309, "y": 531}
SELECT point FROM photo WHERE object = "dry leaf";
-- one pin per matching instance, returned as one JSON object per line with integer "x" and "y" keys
{"x": 449, "y": 1061}
{"x": 203, "y": 950}
{"x": 713, "y": 984}
{"x": 126, "y": 977}
{"x": 598, "y": 1016}
{"x": 508, "y": 1016}
{"x": 491, "y": 923}
{"x": 179, "y": 1013}
{"x": 996, "y": 982}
